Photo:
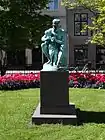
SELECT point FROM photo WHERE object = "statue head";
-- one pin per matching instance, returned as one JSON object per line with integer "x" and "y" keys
{"x": 56, "y": 23}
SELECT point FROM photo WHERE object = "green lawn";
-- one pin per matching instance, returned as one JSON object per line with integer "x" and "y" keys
{"x": 16, "y": 108}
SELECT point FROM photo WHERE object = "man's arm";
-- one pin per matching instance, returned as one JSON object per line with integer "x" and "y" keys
{"x": 46, "y": 36}
{"x": 61, "y": 41}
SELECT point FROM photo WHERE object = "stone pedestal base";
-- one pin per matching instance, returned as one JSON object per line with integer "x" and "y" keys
{"x": 54, "y": 104}
{"x": 61, "y": 110}
{"x": 39, "y": 118}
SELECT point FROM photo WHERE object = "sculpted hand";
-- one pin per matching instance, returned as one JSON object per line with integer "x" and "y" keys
{"x": 53, "y": 39}
{"x": 48, "y": 38}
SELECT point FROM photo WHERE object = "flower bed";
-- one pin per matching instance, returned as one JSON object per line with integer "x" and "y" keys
{"x": 19, "y": 81}
{"x": 87, "y": 80}
{"x": 75, "y": 80}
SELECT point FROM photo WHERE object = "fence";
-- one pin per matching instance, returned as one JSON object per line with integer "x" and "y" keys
{"x": 21, "y": 71}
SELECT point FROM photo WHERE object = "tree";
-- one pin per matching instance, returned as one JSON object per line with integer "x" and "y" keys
{"x": 21, "y": 24}
{"x": 97, "y": 7}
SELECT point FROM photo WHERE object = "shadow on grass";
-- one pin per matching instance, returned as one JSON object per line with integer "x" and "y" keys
{"x": 90, "y": 116}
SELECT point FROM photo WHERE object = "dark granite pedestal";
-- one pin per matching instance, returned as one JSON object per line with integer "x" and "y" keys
{"x": 54, "y": 104}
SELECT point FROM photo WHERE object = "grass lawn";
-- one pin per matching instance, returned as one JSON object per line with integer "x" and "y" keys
{"x": 16, "y": 108}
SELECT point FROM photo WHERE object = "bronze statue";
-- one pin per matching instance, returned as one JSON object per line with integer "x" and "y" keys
{"x": 53, "y": 44}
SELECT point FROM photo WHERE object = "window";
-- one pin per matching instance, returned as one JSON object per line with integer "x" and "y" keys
{"x": 80, "y": 20}
{"x": 53, "y": 5}
{"x": 81, "y": 55}
{"x": 100, "y": 57}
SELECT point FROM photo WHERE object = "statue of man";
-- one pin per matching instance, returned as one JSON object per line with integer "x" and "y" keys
{"x": 53, "y": 43}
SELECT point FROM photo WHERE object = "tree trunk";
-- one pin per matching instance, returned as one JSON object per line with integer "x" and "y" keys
{"x": 3, "y": 65}
{"x": 3, "y": 70}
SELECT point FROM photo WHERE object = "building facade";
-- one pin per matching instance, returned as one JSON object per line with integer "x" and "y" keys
{"x": 80, "y": 50}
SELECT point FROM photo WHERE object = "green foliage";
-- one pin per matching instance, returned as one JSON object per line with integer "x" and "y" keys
{"x": 97, "y": 7}
{"x": 21, "y": 23}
